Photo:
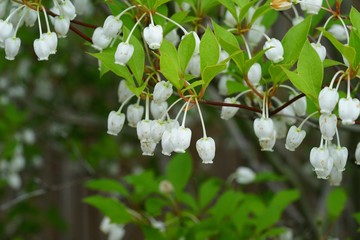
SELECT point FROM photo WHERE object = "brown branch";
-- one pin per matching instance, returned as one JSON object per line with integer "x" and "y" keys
{"x": 78, "y": 32}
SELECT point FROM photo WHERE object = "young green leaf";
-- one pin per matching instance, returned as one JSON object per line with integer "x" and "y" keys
{"x": 210, "y": 72}
{"x": 186, "y": 51}
{"x": 225, "y": 205}
{"x": 355, "y": 43}
{"x": 137, "y": 61}
{"x": 261, "y": 11}
{"x": 169, "y": 64}
{"x": 179, "y": 170}
{"x": 245, "y": 9}
{"x": 177, "y": 17}
{"x": 336, "y": 203}
{"x": 207, "y": 192}
{"x": 355, "y": 19}
{"x": 209, "y": 50}
{"x": 229, "y": 6}
{"x": 107, "y": 185}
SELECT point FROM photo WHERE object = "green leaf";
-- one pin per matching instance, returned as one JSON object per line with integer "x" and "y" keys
{"x": 235, "y": 87}
{"x": 179, "y": 170}
{"x": 209, "y": 50}
{"x": 160, "y": 20}
{"x": 272, "y": 213}
{"x": 277, "y": 73}
{"x": 152, "y": 233}
{"x": 116, "y": 7}
{"x": 154, "y": 206}
{"x": 225, "y": 205}
{"x": 207, "y": 192}
{"x": 188, "y": 199}
{"x": 186, "y": 51}
{"x": 355, "y": 19}
{"x": 245, "y": 9}
{"x": 336, "y": 203}
{"x": 348, "y": 52}
{"x": 261, "y": 11}
{"x": 310, "y": 73}
{"x": 329, "y": 63}
{"x": 250, "y": 62}
{"x": 294, "y": 40}
{"x": 268, "y": 176}
{"x": 194, "y": 84}
{"x": 107, "y": 185}
{"x": 355, "y": 43}
{"x": 230, "y": 6}
{"x": 169, "y": 63}
{"x": 110, "y": 207}
{"x": 177, "y": 17}
{"x": 211, "y": 71}
{"x": 144, "y": 184}
{"x": 206, "y": 5}
{"x": 159, "y": 3}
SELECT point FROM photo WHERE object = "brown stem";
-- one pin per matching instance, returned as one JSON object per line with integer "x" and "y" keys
{"x": 78, "y": 32}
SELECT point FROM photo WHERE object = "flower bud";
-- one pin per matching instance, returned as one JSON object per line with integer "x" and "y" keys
{"x": 158, "y": 109}
{"x": 230, "y": 20}
{"x": 229, "y": 112}
{"x": 206, "y": 149}
{"x": 6, "y": 31}
{"x": 254, "y": 74}
{"x": 276, "y": 50}
{"x": 42, "y": 49}
{"x": 268, "y": 144}
{"x": 134, "y": 114}
{"x": 222, "y": 85}
{"x": 166, "y": 187}
{"x": 162, "y": 91}
{"x": 51, "y": 40}
{"x": 244, "y": 175}
{"x": 12, "y": 46}
{"x": 281, "y": 5}
{"x": 357, "y": 154}
{"x": 296, "y": 20}
{"x": 338, "y": 31}
{"x": 264, "y": 128}
{"x": 328, "y": 99}
{"x": 320, "y": 49}
{"x": 30, "y": 17}
{"x": 294, "y": 138}
{"x": 312, "y": 6}
{"x": 123, "y": 53}
{"x": 299, "y": 106}
{"x": 68, "y": 9}
{"x": 143, "y": 129}
{"x": 147, "y": 147}
{"x": 173, "y": 37}
{"x": 112, "y": 26}
{"x": 182, "y": 139}
{"x": 115, "y": 122}
{"x": 340, "y": 155}
{"x": 153, "y": 36}
{"x": 61, "y": 26}
{"x": 255, "y": 35}
{"x": 123, "y": 91}
{"x": 349, "y": 110}
{"x": 335, "y": 177}
{"x": 328, "y": 126}
{"x": 100, "y": 40}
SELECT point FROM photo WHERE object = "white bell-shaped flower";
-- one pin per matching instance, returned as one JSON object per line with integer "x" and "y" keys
{"x": 30, "y": 17}
{"x": 280, "y": 127}
{"x": 100, "y": 40}
{"x": 296, "y": 20}
{"x": 6, "y": 32}
{"x": 173, "y": 37}
{"x": 326, "y": 170}
{"x": 322, "y": 162}
{"x": 299, "y": 106}
{"x": 320, "y": 49}
{"x": 158, "y": 109}
{"x": 349, "y": 110}
{"x": 197, "y": 42}
{"x": 157, "y": 130}
{"x": 194, "y": 65}
{"x": 123, "y": 91}
{"x": 162, "y": 91}
{"x": 112, "y": 26}
{"x": 182, "y": 139}
{"x": 171, "y": 124}
{"x": 148, "y": 147}
{"x": 276, "y": 51}
{"x": 123, "y": 53}
{"x": 294, "y": 138}
{"x": 167, "y": 140}
{"x": 12, "y": 46}
{"x": 14, "y": 180}
{"x": 153, "y": 36}
{"x": 61, "y": 26}
{"x": 115, "y": 122}
{"x": 3, "y": 5}
{"x": 230, "y": 19}
{"x": 268, "y": 144}
{"x": 312, "y": 6}
{"x": 83, "y": 7}
{"x": 244, "y": 175}
{"x": 264, "y": 128}
{"x": 255, "y": 35}
{"x": 327, "y": 124}
{"x": 229, "y": 112}
{"x": 289, "y": 115}
{"x": 134, "y": 114}
{"x": 51, "y": 40}
{"x": 42, "y": 49}
{"x": 17, "y": 163}
{"x": 340, "y": 155}
{"x": 254, "y": 74}
{"x": 206, "y": 149}
{"x": 328, "y": 99}
{"x": 143, "y": 129}
{"x": 357, "y": 154}
{"x": 335, "y": 177}
{"x": 338, "y": 31}
{"x": 222, "y": 84}
{"x": 68, "y": 9}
